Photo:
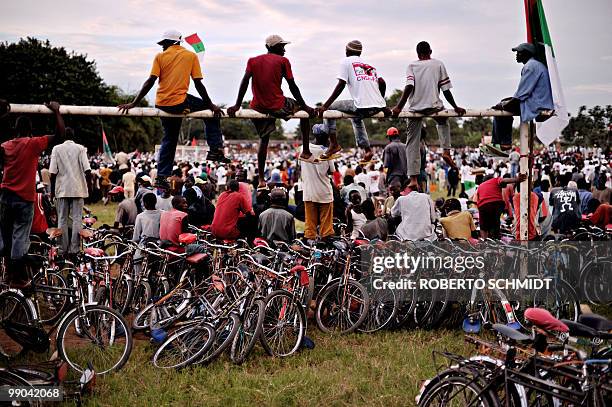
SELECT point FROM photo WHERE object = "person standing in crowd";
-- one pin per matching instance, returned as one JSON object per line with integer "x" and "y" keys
{"x": 367, "y": 90}
{"x": 425, "y": 78}
{"x": 70, "y": 172}
{"x": 585, "y": 194}
{"x": 351, "y": 185}
{"x": 164, "y": 201}
{"x": 362, "y": 179}
{"x": 146, "y": 227}
{"x": 318, "y": 193}
{"x": 452, "y": 178}
{"x": 491, "y": 204}
{"x": 394, "y": 158}
{"x": 600, "y": 191}
{"x": 174, "y": 222}
{"x": 128, "y": 179}
{"x": 418, "y": 215}
{"x": 355, "y": 218}
{"x": 276, "y": 223}
{"x": 174, "y": 66}
{"x": 105, "y": 182}
{"x": 267, "y": 72}
{"x": 144, "y": 187}
{"x": 533, "y": 96}
{"x": 19, "y": 161}
{"x": 230, "y": 205}
{"x": 457, "y": 224}
{"x": 126, "y": 212}
{"x": 221, "y": 175}
{"x": 538, "y": 211}
{"x": 565, "y": 204}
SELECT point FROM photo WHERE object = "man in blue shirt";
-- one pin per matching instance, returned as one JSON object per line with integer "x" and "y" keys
{"x": 533, "y": 96}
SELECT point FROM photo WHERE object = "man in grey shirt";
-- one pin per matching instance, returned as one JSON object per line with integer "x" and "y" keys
{"x": 70, "y": 171}
{"x": 146, "y": 227}
{"x": 276, "y": 223}
{"x": 418, "y": 216}
{"x": 394, "y": 158}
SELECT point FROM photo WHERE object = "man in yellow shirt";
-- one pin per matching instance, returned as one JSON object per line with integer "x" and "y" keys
{"x": 174, "y": 66}
{"x": 457, "y": 224}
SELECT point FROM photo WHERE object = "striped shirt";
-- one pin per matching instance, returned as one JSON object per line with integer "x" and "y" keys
{"x": 428, "y": 77}
{"x": 69, "y": 162}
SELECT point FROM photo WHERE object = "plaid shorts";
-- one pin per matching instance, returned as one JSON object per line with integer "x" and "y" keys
{"x": 265, "y": 127}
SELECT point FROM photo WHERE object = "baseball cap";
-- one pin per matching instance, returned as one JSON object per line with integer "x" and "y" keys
{"x": 172, "y": 35}
{"x": 274, "y": 39}
{"x": 392, "y": 131}
{"x": 146, "y": 178}
{"x": 525, "y": 47}
{"x": 319, "y": 129}
{"x": 117, "y": 190}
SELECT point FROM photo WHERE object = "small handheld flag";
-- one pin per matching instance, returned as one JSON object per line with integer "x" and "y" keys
{"x": 197, "y": 44}
{"x": 108, "y": 155}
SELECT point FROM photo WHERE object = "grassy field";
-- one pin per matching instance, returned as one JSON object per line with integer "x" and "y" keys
{"x": 383, "y": 369}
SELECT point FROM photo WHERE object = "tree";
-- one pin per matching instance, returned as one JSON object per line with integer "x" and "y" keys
{"x": 590, "y": 127}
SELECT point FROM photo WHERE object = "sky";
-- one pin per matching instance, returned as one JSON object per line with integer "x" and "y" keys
{"x": 472, "y": 37}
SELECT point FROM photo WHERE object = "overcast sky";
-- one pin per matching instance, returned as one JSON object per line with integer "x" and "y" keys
{"x": 472, "y": 37}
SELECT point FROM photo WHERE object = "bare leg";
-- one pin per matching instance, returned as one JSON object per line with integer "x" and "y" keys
{"x": 305, "y": 129}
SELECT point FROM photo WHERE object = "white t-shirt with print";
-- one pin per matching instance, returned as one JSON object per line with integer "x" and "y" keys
{"x": 362, "y": 82}
{"x": 428, "y": 77}
{"x": 315, "y": 180}
{"x": 221, "y": 175}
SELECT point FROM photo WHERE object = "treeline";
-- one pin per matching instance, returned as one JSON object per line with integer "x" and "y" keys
{"x": 34, "y": 72}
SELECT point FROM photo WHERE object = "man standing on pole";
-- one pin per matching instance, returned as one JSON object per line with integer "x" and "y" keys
{"x": 174, "y": 66}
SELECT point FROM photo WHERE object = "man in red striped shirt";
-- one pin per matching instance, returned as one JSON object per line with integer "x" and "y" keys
{"x": 424, "y": 80}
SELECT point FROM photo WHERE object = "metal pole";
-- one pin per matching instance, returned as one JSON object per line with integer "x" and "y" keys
{"x": 241, "y": 114}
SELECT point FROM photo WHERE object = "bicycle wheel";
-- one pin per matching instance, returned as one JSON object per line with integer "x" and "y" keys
{"x": 595, "y": 284}
{"x": 381, "y": 312}
{"x": 248, "y": 333}
{"x": 456, "y": 391}
{"x": 123, "y": 290}
{"x": 342, "y": 307}
{"x": 99, "y": 335}
{"x": 14, "y": 309}
{"x": 50, "y": 306}
{"x": 561, "y": 300}
{"x": 184, "y": 346}
{"x": 284, "y": 324}
{"x": 225, "y": 331}
{"x": 141, "y": 297}
{"x": 14, "y": 379}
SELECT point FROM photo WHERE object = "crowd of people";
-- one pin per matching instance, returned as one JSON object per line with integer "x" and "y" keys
{"x": 366, "y": 193}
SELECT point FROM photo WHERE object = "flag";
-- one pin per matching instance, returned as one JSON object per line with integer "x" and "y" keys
{"x": 197, "y": 44}
{"x": 469, "y": 183}
{"x": 108, "y": 155}
{"x": 538, "y": 34}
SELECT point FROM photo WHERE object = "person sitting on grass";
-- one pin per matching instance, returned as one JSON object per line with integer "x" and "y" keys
{"x": 457, "y": 224}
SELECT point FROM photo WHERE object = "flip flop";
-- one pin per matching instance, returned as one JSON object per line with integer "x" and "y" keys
{"x": 334, "y": 156}
{"x": 495, "y": 150}
{"x": 362, "y": 163}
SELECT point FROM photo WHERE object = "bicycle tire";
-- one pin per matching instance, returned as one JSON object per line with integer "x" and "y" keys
{"x": 225, "y": 331}
{"x": 13, "y": 308}
{"x": 279, "y": 314}
{"x": 248, "y": 334}
{"x": 594, "y": 283}
{"x": 187, "y": 343}
{"x": 331, "y": 307}
{"x": 383, "y": 306}
{"x": 118, "y": 328}
{"x": 123, "y": 290}
{"x": 55, "y": 304}
{"x": 452, "y": 385}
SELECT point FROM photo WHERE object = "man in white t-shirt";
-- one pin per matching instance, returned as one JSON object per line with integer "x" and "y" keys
{"x": 221, "y": 174}
{"x": 317, "y": 189}
{"x": 367, "y": 91}
{"x": 424, "y": 80}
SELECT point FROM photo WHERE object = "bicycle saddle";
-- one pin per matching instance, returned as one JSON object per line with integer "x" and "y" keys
{"x": 196, "y": 258}
{"x": 54, "y": 232}
{"x": 595, "y": 321}
{"x": 187, "y": 238}
{"x": 511, "y": 333}
{"x": 94, "y": 252}
{"x": 583, "y": 331}
{"x": 544, "y": 320}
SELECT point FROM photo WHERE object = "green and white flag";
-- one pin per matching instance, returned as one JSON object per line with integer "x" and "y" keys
{"x": 538, "y": 34}
{"x": 197, "y": 45}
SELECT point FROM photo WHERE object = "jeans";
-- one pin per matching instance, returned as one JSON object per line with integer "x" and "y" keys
{"x": 70, "y": 208}
{"x": 348, "y": 106}
{"x": 502, "y": 128}
{"x": 514, "y": 167}
{"x": 172, "y": 127}
{"x": 16, "y": 217}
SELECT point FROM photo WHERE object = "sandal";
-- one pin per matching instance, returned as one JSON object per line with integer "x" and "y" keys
{"x": 330, "y": 154}
{"x": 495, "y": 150}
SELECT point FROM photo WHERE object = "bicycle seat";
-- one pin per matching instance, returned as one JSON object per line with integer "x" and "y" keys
{"x": 196, "y": 258}
{"x": 361, "y": 242}
{"x": 86, "y": 234}
{"x": 89, "y": 221}
{"x": 94, "y": 252}
{"x": 544, "y": 320}
{"x": 187, "y": 238}
{"x": 583, "y": 331}
{"x": 260, "y": 241}
{"x": 302, "y": 273}
{"x": 54, "y": 233}
{"x": 595, "y": 321}
{"x": 511, "y": 333}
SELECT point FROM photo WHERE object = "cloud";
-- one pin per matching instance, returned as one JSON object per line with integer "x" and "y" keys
{"x": 595, "y": 87}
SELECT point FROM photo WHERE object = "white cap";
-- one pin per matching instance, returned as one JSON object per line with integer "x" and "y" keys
{"x": 172, "y": 35}
{"x": 274, "y": 39}
{"x": 146, "y": 178}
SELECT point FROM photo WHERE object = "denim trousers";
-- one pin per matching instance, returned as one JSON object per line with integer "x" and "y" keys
{"x": 70, "y": 208}
{"x": 172, "y": 128}
{"x": 16, "y": 217}
{"x": 348, "y": 106}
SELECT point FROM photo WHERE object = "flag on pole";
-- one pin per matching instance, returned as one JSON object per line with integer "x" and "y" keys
{"x": 538, "y": 34}
{"x": 197, "y": 44}
{"x": 108, "y": 155}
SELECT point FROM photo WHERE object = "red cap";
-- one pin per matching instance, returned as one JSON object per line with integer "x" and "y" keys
{"x": 117, "y": 190}
{"x": 392, "y": 131}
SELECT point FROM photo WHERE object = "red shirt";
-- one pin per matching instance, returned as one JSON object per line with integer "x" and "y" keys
{"x": 490, "y": 191}
{"x": 171, "y": 225}
{"x": 20, "y": 158}
{"x": 533, "y": 213}
{"x": 602, "y": 215}
{"x": 268, "y": 71}
{"x": 229, "y": 207}
{"x": 39, "y": 222}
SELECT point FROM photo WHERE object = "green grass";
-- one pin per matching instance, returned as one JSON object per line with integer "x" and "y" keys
{"x": 383, "y": 369}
